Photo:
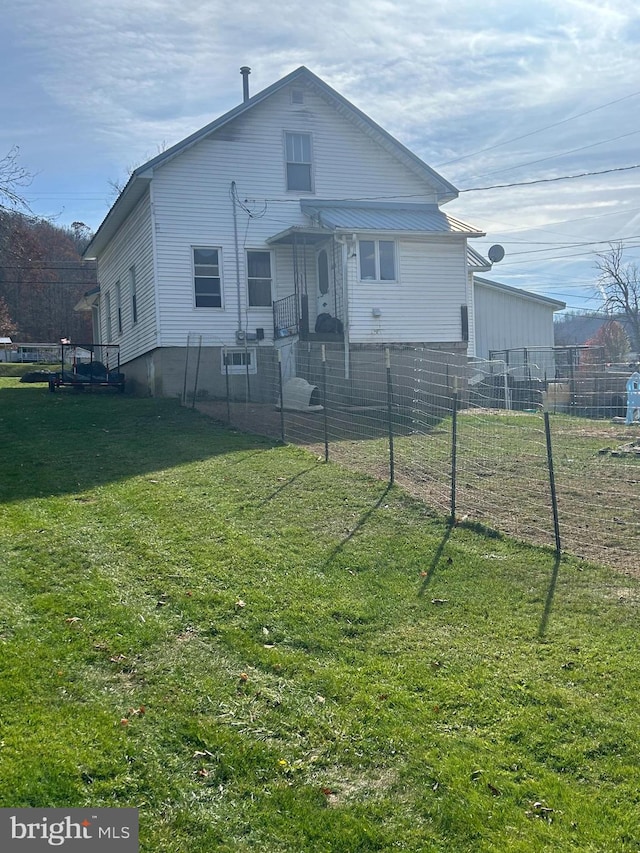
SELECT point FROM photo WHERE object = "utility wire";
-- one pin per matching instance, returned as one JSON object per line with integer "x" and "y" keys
{"x": 539, "y": 130}
{"x": 550, "y": 180}
{"x": 556, "y": 155}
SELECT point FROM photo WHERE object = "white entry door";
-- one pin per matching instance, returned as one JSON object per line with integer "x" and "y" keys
{"x": 326, "y": 299}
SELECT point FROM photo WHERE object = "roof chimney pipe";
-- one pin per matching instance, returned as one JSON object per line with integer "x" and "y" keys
{"x": 245, "y": 71}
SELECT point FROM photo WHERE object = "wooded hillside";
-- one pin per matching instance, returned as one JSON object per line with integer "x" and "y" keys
{"x": 42, "y": 277}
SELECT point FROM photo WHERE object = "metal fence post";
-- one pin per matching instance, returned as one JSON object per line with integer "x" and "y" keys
{"x": 552, "y": 483}
{"x": 324, "y": 403}
{"x": 282, "y": 434}
{"x": 454, "y": 448}
{"x": 195, "y": 381}
{"x": 392, "y": 467}
{"x": 225, "y": 358}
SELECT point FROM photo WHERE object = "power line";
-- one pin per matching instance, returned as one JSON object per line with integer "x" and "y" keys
{"x": 558, "y": 154}
{"x": 550, "y": 180}
{"x": 575, "y": 245}
{"x": 539, "y": 130}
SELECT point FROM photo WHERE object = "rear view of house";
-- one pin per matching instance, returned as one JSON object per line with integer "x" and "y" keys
{"x": 292, "y": 219}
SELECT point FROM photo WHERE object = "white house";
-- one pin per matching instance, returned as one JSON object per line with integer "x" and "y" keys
{"x": 292, "y": 219}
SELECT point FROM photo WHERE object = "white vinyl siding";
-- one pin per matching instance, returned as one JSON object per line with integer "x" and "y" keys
{"x": 508, "y": 321}
{"x": 424, "y": 307}
{"x": 132, "y": 247}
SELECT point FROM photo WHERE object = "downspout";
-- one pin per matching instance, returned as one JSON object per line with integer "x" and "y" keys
{"x": 237, "y": 247}
{"x": 345, "y": 301}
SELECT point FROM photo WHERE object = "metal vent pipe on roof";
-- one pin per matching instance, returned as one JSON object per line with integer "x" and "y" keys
{"x": 245, "y": 71}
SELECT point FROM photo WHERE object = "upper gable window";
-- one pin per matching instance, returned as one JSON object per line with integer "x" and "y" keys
{"x": 297, "y": 96}
{"x": 298, "y": 157}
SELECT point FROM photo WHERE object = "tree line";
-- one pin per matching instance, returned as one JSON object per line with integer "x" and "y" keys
{"x": 42, "y": 274}
{"x": 42, "y": 277}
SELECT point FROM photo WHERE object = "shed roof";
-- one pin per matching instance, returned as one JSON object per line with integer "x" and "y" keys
{"x": 556, "y": 304}
{"x": 385, "y": 216}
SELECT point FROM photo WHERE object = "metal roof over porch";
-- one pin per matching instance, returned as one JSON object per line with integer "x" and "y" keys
{"x": 384, "y": 216}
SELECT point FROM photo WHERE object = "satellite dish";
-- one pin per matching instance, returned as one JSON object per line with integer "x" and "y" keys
{"x": 496, "y": 253}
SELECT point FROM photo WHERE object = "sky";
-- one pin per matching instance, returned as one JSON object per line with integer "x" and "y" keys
{"x": 494, "y": 93}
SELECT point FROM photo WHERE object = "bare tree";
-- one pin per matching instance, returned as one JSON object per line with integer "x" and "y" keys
{"x": 13, "y": 177}
{"x": 619, "y": 286}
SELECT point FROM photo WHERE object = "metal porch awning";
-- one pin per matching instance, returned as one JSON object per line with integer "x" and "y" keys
{"x": 301, "y": 234}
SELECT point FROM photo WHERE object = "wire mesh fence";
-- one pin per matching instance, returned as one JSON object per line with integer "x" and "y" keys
{"x": 481, "y": 441}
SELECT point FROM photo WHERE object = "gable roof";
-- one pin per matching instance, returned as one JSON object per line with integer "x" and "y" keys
{"x": 141, "y": 177}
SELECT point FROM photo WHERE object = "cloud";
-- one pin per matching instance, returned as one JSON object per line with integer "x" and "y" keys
{"x": 107, "y": 83}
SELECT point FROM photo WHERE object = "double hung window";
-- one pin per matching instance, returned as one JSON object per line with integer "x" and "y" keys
{"x": 298, "y": 157}
{"x": 133, "y": 294}
{"x": 119, "y": 307}
{"x": 206, "y": 278}
{"x": 259, "y": 279}
{"x": 377, "y": 260}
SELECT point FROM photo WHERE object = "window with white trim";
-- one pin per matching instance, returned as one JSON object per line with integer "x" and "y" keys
{"x": 377, "y": 260}
{"x": 107, "y": 313}
{"x": 119, "y": 307}
{"x": 133, "y": 294}
{"x": 259, "y": 279}
{"x": 298, "y": 158}
{"x": 238, "y": 361}
{"x": 207, "y": 280}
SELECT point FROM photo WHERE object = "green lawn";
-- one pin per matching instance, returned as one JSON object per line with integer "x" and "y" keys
{"x": 263, "y": 652}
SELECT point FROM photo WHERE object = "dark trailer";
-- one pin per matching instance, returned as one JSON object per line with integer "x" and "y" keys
{"x": 89, "y": 366}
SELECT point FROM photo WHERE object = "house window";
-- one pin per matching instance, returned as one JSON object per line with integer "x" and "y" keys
{"x": 259, "y": 279}
{"x": 107, "y": 311}
{"x": 377, "y": 260}
{"x": 238, "y": 361}
{"x": 119, "y": 307}
{"x": 133, "y": 294}
{"x": 206, "y": 278}
{"x": 298, "y": 156}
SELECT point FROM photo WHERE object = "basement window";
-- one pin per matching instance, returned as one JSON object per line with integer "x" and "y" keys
{"x": 238, "y": 361}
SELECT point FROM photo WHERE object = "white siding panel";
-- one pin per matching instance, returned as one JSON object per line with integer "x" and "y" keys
{"x": 132, "y": 246}
{"x": 509, "y": 321}
{"x": 422, "y": 306}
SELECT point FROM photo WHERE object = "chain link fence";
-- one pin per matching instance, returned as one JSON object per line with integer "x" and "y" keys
{"x": 539, "y": 451}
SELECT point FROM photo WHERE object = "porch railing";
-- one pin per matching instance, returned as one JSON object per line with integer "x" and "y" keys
{"x": 286, "y": 316}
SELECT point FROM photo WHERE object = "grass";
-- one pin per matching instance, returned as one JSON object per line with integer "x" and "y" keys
{"x": 263, "y": 652}
{"x": 503, "y": 477}
{"x": 18, "y": 369}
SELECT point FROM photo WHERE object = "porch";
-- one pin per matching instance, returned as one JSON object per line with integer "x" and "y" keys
{"x": 314, "y": 310}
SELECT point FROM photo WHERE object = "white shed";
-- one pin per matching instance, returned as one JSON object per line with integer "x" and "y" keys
{"x": 510, "y": 318}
